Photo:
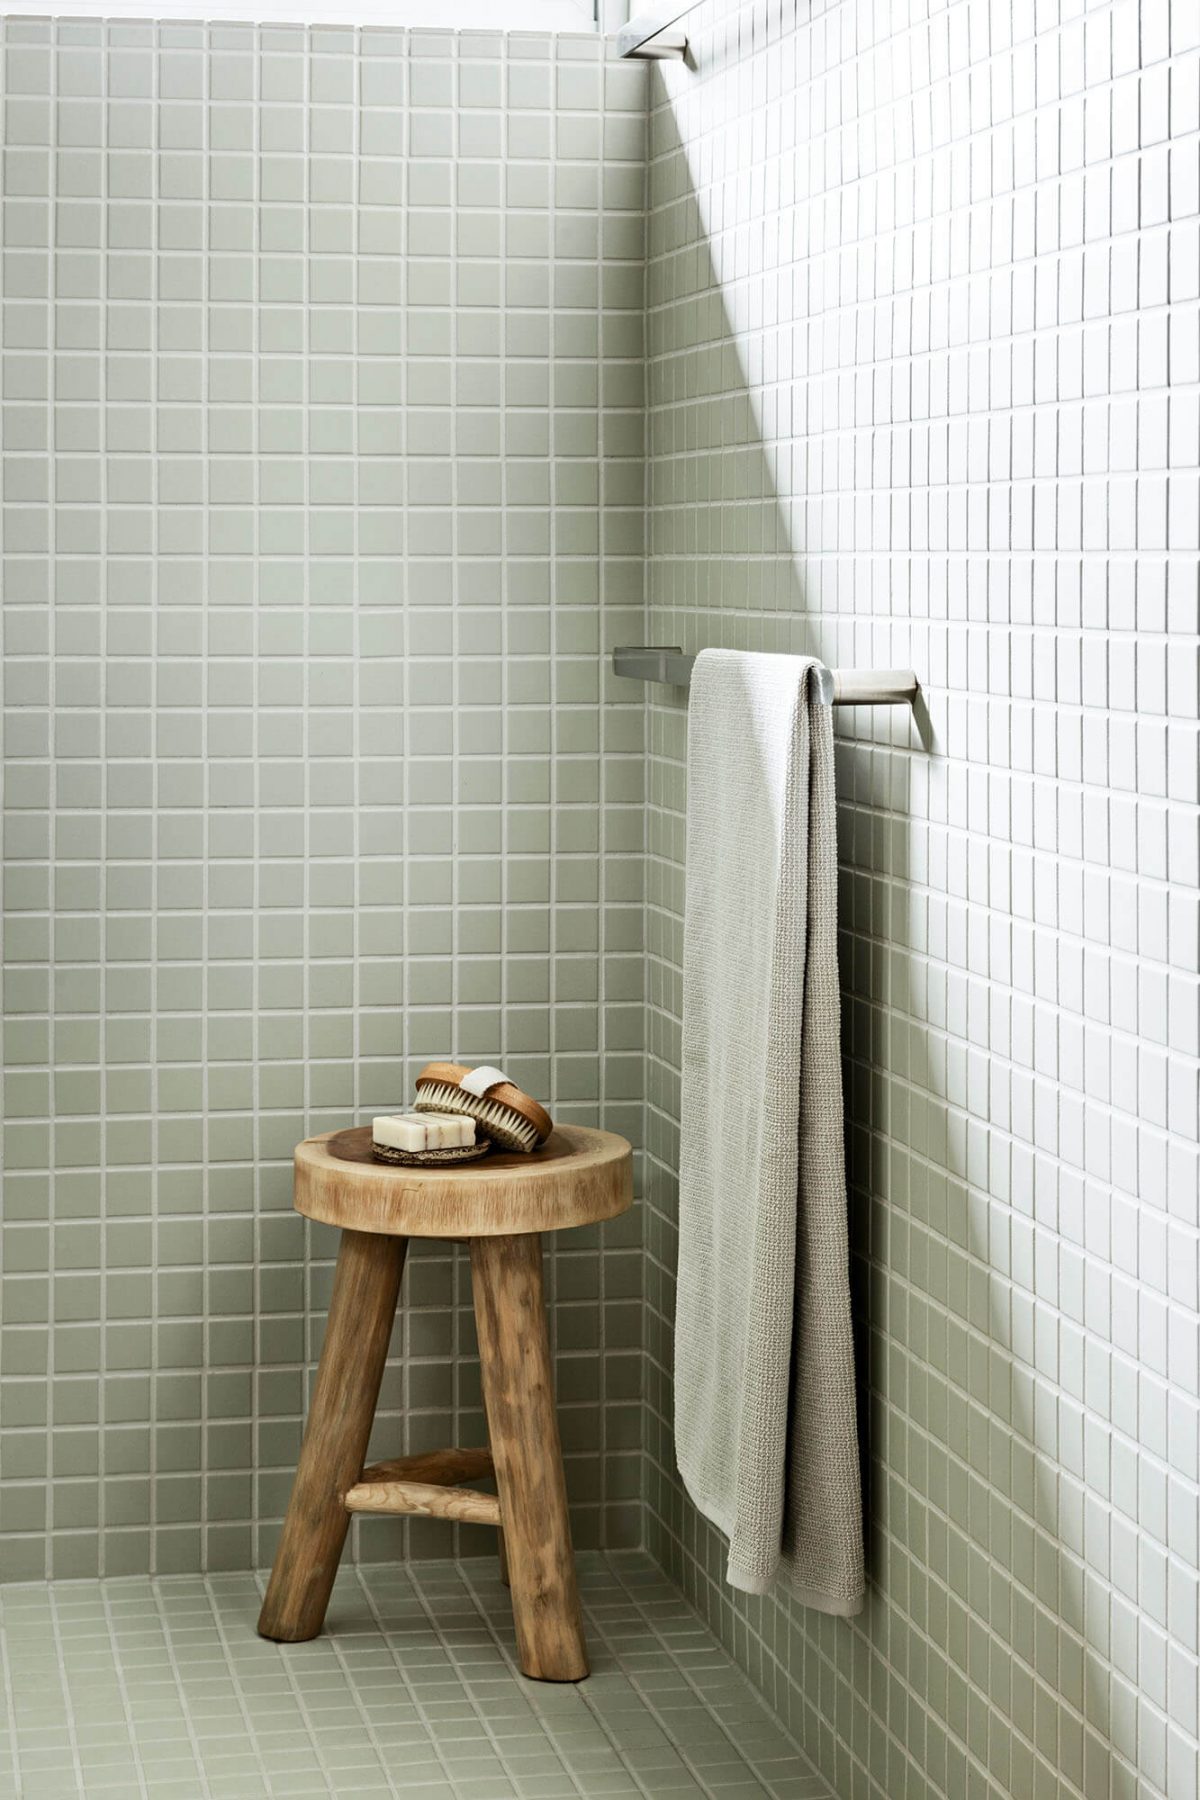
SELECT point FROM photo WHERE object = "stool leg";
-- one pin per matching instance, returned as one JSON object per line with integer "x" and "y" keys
{"x": 365, "y": 1289}
{"x": 501, "y": 1551}
{"x": 514, "y": 1353}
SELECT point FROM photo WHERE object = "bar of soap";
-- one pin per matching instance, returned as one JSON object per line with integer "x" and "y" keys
{"x": 444, "y": 1131}
{"x": 423, "y": 1131}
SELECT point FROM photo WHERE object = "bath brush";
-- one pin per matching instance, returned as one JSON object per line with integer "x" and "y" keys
{"x": 426, "y": 1140}
{"x": 486, "y": 1095}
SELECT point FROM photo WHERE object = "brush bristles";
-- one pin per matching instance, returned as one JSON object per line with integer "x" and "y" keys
{"x": 500, "y": 1122}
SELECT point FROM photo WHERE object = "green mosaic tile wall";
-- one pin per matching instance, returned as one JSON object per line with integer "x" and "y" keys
{"x": 923, "y": 365}
{"x": 322, "y": 367}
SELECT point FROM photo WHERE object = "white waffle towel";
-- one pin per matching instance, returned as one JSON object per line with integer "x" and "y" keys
{"x": 765, "y": 1421}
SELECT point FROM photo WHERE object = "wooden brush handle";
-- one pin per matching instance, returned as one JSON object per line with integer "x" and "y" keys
{"x": 503, "y": 1092}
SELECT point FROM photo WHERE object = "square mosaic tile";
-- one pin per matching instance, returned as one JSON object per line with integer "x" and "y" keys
{"x": 329, "y": 364}
{"x": 322, "y": 465}
{"x": 160, "y": 1687}
{"x": 922, "y": 386}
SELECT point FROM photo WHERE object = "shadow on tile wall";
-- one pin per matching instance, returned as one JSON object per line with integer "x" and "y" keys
{"x": 323, "y": 479}
{"x": 896, "y": 396}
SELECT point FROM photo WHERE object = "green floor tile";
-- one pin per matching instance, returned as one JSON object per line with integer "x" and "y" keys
{"x": 411, "y": 1692}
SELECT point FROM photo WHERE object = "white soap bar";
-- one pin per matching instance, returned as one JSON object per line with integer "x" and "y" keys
{"x": 447, "y": 1131}
{"x": 423, "y": 1131}
{"x": 397, "y": 1134}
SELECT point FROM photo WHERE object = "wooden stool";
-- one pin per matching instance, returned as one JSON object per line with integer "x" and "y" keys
{"x": 499, "y": 1206}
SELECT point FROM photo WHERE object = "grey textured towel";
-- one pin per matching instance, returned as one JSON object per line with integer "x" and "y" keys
{"x": 765, "y": 1426}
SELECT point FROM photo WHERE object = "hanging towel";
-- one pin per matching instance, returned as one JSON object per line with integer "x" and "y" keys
{"x": 765, "y": 1426}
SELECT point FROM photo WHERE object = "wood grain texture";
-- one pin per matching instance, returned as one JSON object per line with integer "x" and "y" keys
{"x": 427, "y": 1499}
{"x": 575, "y": 1178}
{"x": 501, "y": 1551}
{"x": 514, "y": 1354}
{"x": 443, "y": 1468}
{"x": 366, "y": 1285}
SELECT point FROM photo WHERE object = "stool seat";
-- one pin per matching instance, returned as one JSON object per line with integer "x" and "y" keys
{"x": 577, "y": 1177}
{"x": 500, "y": 1206}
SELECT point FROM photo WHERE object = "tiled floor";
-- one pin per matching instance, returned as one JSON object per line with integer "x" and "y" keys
{"x": 161, "y": 1688}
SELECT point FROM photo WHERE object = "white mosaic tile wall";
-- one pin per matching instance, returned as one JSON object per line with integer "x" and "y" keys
{"x": 322, "y": 415}
{"x": 924, "y": 345}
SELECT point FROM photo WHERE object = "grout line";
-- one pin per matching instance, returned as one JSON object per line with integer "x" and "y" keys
{"x": 12, "y": 1748}
{"x": 752, "y": 1693}
{"x": 418, "y": 1593}
{"x": 546, "y": 1719}
{"x": 122, "y": 1684}
{"x": 580, "y": 1688}
{"x": 68, "y": 1709}
{"x": 212, "y": 1596}
{"x": 288, "y": 1665}
{"x": 462, "y": 1666}
{"x": 153, "y": 1584}
{"x": 154, "y": 1197}
{"x": 429, "y": 1725}
{"x": 52, "y": 635}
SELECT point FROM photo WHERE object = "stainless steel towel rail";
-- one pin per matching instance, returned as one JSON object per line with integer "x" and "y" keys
{"x": 839, "y": 687}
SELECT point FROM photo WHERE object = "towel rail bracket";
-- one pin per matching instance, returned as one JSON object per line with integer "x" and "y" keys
{"x": 652, "y": 39}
